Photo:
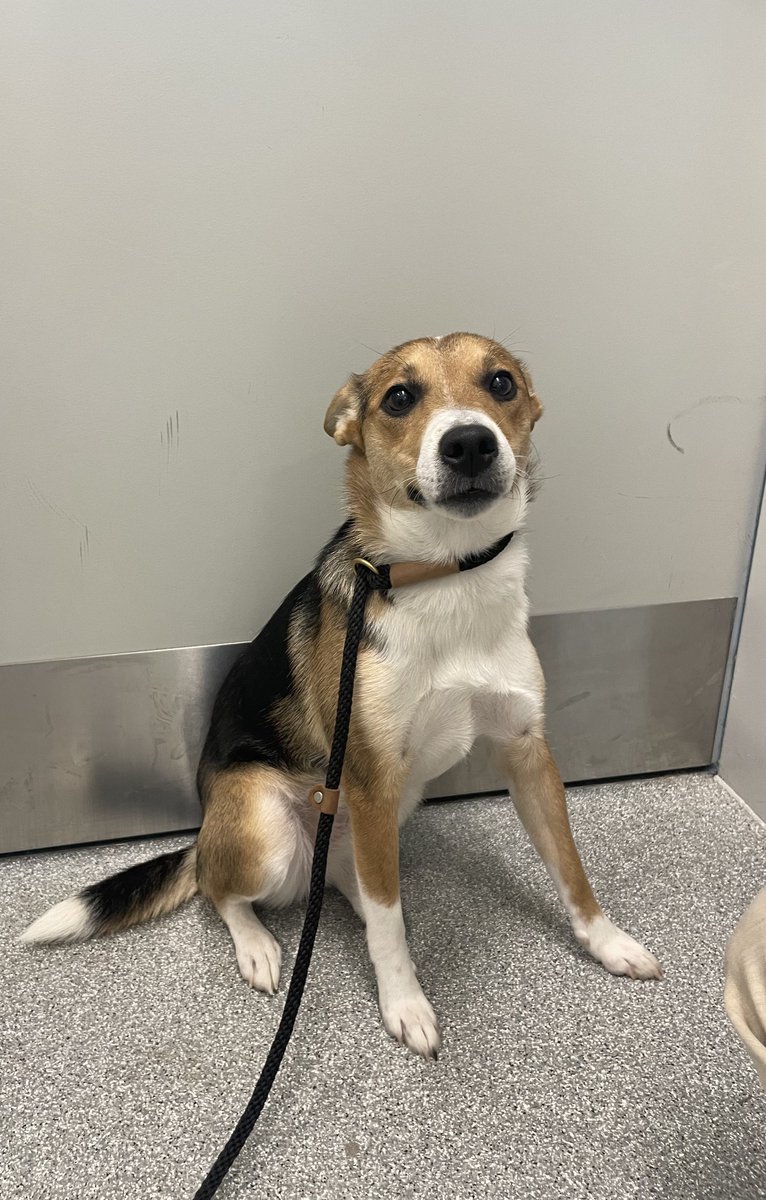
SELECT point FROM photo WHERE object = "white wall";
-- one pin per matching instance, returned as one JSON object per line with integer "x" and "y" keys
{"x": 217, "y": 210}
{"x": 743, "y": 756}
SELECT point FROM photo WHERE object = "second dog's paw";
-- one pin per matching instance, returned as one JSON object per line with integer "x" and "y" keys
{"x": 620, "y": 953}
{"x": 409, "y": 1018}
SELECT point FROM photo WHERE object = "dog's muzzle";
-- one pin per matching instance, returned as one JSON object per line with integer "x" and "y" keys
{"x": 465, "y": 464}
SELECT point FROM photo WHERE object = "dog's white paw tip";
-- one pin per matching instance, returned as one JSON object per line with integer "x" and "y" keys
{"x": 620, "y": 953}
{"x": 412, "y": 1022}
{"x": 260, "y": 965}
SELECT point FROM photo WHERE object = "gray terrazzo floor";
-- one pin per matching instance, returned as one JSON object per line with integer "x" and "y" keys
{"x": 124, "y": 1063}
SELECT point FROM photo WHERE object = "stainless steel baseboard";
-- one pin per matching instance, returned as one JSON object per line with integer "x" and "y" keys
{"x": 99, "y": 748}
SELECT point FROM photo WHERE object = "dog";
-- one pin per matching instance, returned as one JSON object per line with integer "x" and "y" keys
{"x": 439, "y": 469}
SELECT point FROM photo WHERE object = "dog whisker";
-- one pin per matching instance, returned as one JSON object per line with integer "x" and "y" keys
{"x": 372, "y": 349}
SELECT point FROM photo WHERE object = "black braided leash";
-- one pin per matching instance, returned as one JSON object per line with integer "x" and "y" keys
{"x": 368, "y": 578}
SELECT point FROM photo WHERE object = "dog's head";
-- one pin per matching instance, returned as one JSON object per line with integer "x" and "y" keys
{"x": 441, "y": 424}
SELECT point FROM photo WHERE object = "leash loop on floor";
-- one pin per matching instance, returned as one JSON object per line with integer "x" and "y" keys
{"x": 366, "y": 581}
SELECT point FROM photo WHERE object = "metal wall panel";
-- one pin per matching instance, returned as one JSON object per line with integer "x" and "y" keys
{"x": 106, "y": 747}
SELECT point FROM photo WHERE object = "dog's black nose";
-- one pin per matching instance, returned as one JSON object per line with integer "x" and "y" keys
{"x": 468, "y": 449}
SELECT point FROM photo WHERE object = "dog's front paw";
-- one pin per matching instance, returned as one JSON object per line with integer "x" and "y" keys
{"x": 620, "y": 953}
{"x": 409, "y": 1018}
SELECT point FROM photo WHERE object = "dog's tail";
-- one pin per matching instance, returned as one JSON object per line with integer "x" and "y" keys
{"x": 147, "y": 890}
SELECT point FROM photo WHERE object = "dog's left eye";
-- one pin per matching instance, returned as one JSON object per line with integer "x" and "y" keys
{"x": 503, "y": 385}
{"x": 397, "y": 401}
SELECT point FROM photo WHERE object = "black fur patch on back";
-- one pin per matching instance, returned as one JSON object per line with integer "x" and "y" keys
{"x": 243, "y": 728}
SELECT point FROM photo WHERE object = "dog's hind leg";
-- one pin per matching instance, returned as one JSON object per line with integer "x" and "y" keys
{"x": 252, "y": 848}
{"x": 259, "y": 957}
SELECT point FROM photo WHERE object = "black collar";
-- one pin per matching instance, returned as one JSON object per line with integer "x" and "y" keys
{"x": 478, "y": 560}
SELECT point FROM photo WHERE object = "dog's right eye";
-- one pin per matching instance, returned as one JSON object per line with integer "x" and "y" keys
{"x": 397, "y": 401}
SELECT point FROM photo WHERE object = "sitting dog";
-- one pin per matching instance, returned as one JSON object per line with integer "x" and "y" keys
{"x": 438, "y": 471}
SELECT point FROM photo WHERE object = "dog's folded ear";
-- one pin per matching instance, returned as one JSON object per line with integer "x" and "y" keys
{"x": 535, "y": 407}
{"x": 343, "y": 419}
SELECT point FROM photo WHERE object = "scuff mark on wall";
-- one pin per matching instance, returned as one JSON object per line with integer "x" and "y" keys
{"x": 702, "y": 403}
{"x": 58, "y": 511}
{"x": 85, "y": 547}
{"x": 55, "y": 508}
{"x": 170, "y": 437}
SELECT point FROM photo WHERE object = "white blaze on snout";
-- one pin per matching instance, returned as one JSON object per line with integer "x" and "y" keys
{"x": 431, "y": 472}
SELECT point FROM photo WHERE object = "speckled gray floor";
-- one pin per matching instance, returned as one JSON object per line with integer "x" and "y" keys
{"x": 124, "y": 1063}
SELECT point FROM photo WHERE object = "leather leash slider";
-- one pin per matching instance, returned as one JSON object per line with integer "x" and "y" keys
{"x": 324, "y": 799}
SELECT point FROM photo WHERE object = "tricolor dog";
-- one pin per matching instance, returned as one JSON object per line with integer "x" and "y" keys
{"x": 438, "y": 470}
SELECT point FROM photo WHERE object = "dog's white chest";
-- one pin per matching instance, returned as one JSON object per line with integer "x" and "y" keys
{"x": 460, "y": 664}
{"x": 468, "y": 632}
